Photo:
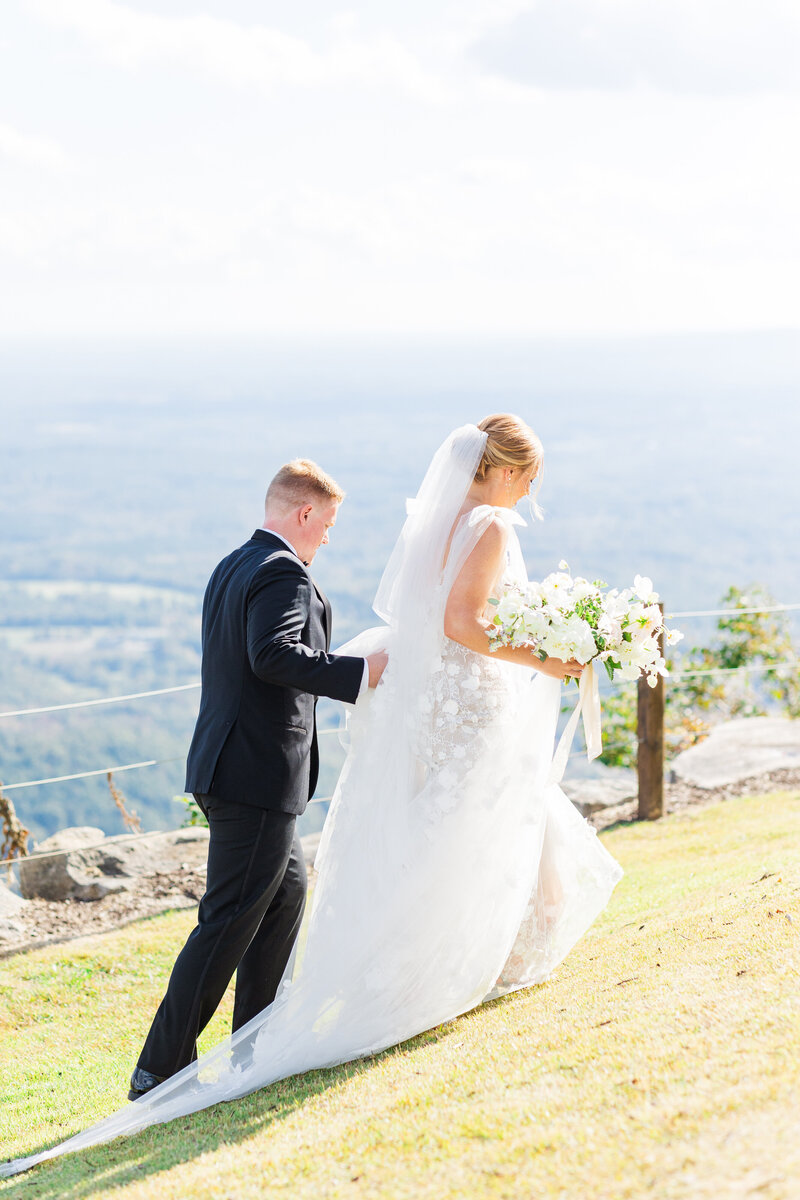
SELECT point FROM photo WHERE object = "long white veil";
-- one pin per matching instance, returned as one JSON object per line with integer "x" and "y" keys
{"x": 414, "y": 568}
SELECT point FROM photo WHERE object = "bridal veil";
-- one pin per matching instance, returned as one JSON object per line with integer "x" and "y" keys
{"x": 450, "y": 870}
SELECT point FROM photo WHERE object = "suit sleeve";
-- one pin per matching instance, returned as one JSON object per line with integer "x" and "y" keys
{"x": 278, "y": 608}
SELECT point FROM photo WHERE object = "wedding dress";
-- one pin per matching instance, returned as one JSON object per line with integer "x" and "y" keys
{"x": 451, "y": 871}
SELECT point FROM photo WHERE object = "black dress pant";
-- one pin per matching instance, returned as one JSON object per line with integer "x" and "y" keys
{"x": 248, "y": 921}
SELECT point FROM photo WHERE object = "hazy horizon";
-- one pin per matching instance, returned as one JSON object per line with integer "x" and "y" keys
{"x": 125, "y": 475}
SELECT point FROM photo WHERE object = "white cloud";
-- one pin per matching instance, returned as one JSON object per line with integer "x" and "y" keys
{"x": 707, "y": 47}
{"x": 487, "y": 243}
{"x": 320, "y": 196}
{"x": 32, "y": 151}
{"x": 256, "y": 56}
{"x": 493, "y": 169}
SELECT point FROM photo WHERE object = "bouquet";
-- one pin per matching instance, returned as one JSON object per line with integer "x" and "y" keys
{"x": 567, "y": 618}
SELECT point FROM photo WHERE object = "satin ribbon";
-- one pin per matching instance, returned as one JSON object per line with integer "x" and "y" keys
{"x": 588, "y": 706}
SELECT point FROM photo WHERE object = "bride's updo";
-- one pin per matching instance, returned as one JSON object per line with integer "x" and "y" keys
{"x": 509, "y": 443}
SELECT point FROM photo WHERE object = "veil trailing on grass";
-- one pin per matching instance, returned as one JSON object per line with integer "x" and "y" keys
{"x": 449, "y": 869}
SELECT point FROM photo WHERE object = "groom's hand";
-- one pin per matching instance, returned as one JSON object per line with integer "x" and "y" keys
{"x": 377, "y": 665}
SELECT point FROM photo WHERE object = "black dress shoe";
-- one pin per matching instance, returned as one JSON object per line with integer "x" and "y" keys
{"x": 142, "y": 1082}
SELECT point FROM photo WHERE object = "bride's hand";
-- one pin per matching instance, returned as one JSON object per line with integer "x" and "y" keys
{"x": 559, "y": 669}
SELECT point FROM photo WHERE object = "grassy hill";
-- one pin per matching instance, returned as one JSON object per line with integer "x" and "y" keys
{"x": 661, "y": 1060}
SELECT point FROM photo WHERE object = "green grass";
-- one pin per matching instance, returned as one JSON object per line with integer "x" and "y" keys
{"x": 662, "y": 1059}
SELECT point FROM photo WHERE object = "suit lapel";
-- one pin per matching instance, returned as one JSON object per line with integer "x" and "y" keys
{"x": 326, "y": 606}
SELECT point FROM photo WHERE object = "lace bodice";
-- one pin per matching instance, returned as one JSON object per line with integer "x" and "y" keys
{"x": 468, "y": 694}
{"x": 469, "y": 691}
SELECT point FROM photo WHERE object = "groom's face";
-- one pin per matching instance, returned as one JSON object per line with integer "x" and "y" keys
{"x": 316, "y": 520}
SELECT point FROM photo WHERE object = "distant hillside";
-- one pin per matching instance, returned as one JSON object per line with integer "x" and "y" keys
{"x": 126, "y": 473}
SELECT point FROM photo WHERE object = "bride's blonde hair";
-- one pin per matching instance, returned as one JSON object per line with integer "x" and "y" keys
{"x": 511, "y": 443}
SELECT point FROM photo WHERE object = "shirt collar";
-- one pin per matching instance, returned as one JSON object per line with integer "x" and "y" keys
{"x": 281, "y": 538}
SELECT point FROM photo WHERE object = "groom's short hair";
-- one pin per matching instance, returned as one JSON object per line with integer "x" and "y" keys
{"x": 301, "y": 481}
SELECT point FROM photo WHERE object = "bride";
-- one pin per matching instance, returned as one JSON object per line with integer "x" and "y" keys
{"x": 451, "y": 870}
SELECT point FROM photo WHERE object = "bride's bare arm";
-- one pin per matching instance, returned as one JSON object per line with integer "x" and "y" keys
{"x": 464, "y": 619}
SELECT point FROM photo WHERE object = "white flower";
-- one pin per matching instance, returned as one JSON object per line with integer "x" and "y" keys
{"x": 652, "y": 615}
{"x": 579, "y": 639}
{"x": 641, "y": 656}
{"x": 674, "y": 636}
{"x": 508, "y": 608}
{"x": 582, "y": 590}
{"x": 556, "y": 586}
{"x": 563, "y": 565}
{"x": 534, "y": 624}
{"x": 610, "y": 627}
{"x": 643, "y": 586}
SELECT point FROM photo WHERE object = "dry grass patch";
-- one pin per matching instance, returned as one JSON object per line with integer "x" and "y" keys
{"x": 661, "y": 1060}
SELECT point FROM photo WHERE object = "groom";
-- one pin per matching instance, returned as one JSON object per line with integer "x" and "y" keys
{"x": 253, "y": 763}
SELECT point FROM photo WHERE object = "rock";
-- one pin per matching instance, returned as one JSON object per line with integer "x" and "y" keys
{"x": 592, "y": 795}
{"x": 10, "y": 903}
{"x": 65, "y": 866}
{"x": 191, "y": 835}
{"x": 71, "y": 864}
{"x": 56, "y": 869}
{"x": 737, "y": 750}
{"x": 12, "y": 933}
{"x": 71, "y": 838}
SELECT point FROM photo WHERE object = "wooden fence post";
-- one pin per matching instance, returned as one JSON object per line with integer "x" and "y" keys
{"x": 650, "y": 754}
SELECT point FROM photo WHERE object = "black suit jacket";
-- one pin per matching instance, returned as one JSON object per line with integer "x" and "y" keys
{"x": 265, "y": 637}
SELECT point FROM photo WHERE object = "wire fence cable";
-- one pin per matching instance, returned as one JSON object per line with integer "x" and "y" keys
{"x": 739, "y": 612}
{"x": 27, "y": 712}
{"x": 148, "y": 762}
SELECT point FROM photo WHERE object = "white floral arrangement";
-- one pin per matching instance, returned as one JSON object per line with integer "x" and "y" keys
{"x": 566, "y": 618}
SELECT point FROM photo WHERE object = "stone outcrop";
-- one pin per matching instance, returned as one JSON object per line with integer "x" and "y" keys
{"x": 738, "y": 750}
{"x": 593, "y": 795}
{"x": 10, "y": 903}
{"x": 83, "y": 864}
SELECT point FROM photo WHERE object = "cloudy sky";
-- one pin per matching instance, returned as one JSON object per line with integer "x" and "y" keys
{"x": 436, "y": 166}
